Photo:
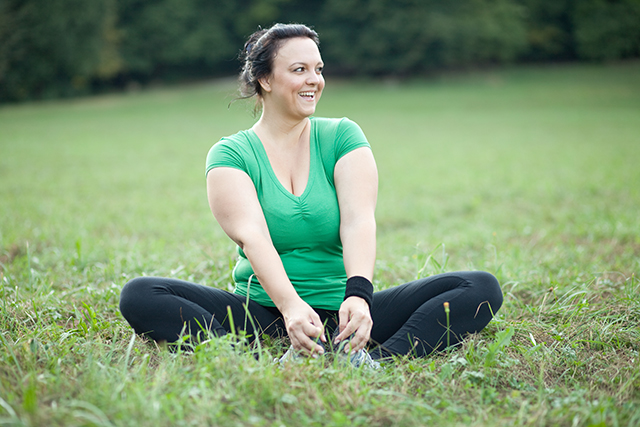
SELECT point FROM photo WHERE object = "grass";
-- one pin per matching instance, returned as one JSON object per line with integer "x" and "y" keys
{"x": 529, "y": 173}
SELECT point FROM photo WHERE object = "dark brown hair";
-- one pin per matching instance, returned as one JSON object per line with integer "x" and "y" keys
{"x": 261, "y": 49}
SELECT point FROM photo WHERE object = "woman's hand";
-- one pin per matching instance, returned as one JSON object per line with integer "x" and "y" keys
{"x": 303, "y": 326}
{"x": 355, "y": 317}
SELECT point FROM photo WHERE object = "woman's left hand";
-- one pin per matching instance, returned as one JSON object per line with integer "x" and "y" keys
{"x": 355, "y": 318}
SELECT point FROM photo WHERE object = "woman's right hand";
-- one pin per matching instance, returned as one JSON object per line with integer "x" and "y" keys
{"x": 303, "y": 326}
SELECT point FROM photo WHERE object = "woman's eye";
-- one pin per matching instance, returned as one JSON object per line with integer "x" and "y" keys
{"x": 319, "y": 70}
{"x": 299, "y": 69}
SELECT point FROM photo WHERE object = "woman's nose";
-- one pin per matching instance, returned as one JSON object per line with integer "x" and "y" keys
{"x": 313, "y": 78}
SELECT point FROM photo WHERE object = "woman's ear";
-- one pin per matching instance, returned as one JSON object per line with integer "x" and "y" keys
{"x": 265, "y": 84}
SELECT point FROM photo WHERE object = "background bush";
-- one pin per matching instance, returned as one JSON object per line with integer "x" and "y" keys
{"x": 68, "y": 47}
{"x": 54, "y": 48}
{"x": 607, "y": 29}
{"x": 409, "y": 36}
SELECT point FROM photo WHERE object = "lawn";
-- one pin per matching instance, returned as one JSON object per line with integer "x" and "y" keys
{"x": 532, "y": 174}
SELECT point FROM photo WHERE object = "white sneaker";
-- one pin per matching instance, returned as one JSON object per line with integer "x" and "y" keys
{"x": 289, "y": 356}
{"x": 363, "y": 358}
{"x": 292, "y": 355}
{"x": 357, "y": 359}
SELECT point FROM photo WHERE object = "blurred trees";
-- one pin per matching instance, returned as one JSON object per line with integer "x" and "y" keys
{"x": 53, "y": 48}
{"x": 606, "y": 29}
{"x": 175, "y": 38}
{"x": 581, "y": 29}
{"x": 411, "y": 36}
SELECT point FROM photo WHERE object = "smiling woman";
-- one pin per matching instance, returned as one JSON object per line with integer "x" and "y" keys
{"x": 260, "y": 51}
{"x": 295, "y": 85}
{"x": 297, "y": 194}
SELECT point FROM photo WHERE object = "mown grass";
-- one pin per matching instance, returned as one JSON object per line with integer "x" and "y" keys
{"x": 531, "y": 174}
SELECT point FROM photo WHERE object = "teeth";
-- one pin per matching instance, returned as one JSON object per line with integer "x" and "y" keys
{"x": 307, "y": 93}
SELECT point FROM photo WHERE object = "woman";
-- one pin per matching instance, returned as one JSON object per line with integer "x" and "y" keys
{"x": 297, "y": 194}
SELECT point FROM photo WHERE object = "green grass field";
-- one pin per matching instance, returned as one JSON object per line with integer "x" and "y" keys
{"x": 532, "y": 174}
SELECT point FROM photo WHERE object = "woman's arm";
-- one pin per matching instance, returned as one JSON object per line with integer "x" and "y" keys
{"x": 356, "y": 179}
{"x": 234, "y": 203}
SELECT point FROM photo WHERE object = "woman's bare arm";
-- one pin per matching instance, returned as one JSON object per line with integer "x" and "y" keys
{"x": 356, "y": 179}
{"x": 234, "y": 203}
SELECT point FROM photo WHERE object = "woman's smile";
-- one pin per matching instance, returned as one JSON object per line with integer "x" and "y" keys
{"x": 309, "y": 96}
{"x": 296, "y": 83}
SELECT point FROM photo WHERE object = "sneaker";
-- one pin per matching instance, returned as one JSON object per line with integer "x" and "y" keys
{"x": 363, "y": 358}
{"x": 289, "y": 356}
{"x": 292, "y": 355}
{"x": 357, "y": 359}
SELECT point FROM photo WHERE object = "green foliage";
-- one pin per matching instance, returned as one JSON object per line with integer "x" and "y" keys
{"x": 549, "y": 26}
{"x": 68, "y": 47}
{"x": 54, "y": 48}
{"x": 585, "y": 29}
{"x": 173, "y": 37}
{"x": 404, "y": 37}
{"x": 607, "y": 30}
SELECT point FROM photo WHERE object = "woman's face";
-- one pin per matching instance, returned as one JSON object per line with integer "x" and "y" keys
{"x": 295, "y": 85}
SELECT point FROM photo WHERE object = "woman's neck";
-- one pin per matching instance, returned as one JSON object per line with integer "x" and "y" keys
{"x": 286, "y": 131}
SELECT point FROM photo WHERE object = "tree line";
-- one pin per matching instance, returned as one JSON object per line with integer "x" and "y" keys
{"x": 58, "y": 48}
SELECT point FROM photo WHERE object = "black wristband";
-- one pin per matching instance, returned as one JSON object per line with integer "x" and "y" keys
{"x": 358, "y": 286}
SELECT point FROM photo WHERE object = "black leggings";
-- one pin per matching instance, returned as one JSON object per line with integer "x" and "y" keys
{"x": 407, "y": 319}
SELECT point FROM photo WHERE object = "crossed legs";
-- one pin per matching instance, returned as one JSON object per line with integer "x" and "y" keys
{"x": 407, "y": 319}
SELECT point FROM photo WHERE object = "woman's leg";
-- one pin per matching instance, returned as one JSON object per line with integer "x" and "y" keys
{"x": 411, "y": 318}
{"x": 163, "y": 309}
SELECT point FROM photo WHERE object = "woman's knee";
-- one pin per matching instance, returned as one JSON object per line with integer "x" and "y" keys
{"x": 489, "y": 289}
{"x": 134, "y": 293}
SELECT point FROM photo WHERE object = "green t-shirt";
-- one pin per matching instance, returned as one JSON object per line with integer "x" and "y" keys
{"x": 305, "y": 229}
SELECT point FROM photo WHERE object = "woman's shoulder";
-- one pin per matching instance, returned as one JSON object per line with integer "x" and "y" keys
{"x": 240, "y": 143}
{"x": 337, "y": 128}
{"x": 336, "y": 123}
{"x": 334, "y": 129}
{"x": 238, "y": 139}
{"x": 232, "y": 151}
{"x": 335, "y": 138}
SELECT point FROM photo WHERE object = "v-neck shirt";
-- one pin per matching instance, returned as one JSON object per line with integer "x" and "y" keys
{"x": 304, "y": 229}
